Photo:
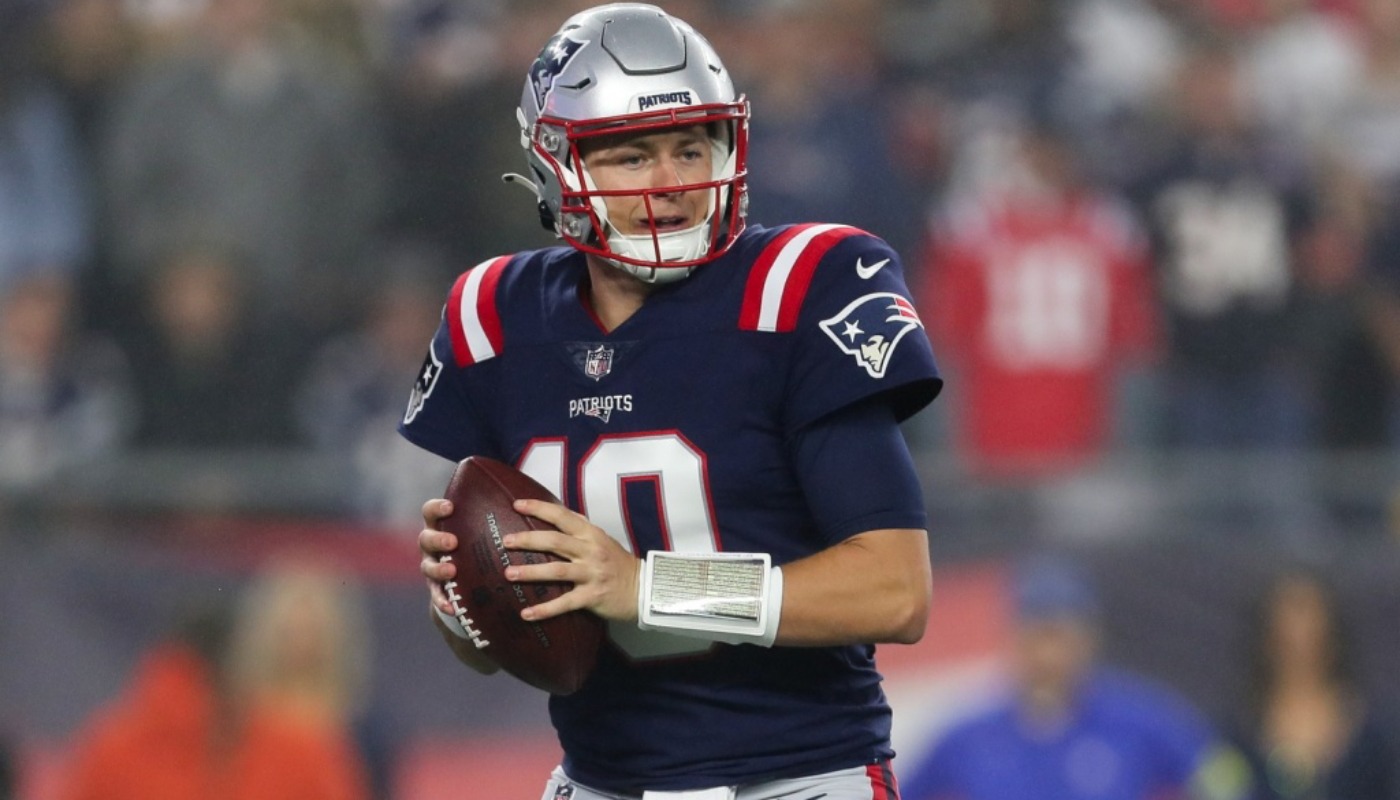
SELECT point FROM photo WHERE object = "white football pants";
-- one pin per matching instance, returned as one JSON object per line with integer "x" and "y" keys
{"x": 857, "y": 783}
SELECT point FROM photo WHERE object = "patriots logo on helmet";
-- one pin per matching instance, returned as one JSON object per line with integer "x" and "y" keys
{"x": 423, "y": 385}
{"x": 870, "y": 328}
{"x": 556, "y": 55}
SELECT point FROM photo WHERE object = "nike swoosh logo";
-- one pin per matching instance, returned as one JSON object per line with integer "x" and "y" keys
{"x": 869, "y": 272}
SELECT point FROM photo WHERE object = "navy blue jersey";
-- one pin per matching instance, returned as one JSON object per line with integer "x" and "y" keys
{"x": 681, "y": 429}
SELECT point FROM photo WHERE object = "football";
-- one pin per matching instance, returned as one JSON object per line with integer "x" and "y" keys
{"x": 555, "y": 655}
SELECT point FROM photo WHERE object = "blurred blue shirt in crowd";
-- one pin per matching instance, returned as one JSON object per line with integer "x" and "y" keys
{"x": 1069, "y": 728}
{"x": 44, "y": 214}
{"x": 1125, "y": 739}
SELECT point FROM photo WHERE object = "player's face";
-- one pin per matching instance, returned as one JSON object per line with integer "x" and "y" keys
{"x": 651, "y": 164}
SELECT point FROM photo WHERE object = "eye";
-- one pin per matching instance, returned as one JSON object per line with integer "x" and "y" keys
{"x": 617, "y": 157}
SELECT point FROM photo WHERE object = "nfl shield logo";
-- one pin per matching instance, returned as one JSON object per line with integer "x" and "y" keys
{"x": 597, "y": 362}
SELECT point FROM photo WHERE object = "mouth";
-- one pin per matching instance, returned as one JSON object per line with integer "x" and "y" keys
{"x": 665, "y": 224}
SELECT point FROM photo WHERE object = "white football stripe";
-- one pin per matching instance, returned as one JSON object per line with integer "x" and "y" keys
{"x": 478, "y": 344}
{"x": 776, "y": 281}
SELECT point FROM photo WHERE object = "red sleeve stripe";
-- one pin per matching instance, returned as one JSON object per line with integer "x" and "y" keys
{"x": 780, "y": 277}
{"x": 473, "y": 320}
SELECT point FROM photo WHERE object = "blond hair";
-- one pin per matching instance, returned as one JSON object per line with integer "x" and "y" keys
{"x": 301, "y": 639}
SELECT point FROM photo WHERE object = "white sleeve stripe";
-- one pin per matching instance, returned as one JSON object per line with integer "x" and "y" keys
{"x": 775, "y": 284}
{"x": 478, "y": 344}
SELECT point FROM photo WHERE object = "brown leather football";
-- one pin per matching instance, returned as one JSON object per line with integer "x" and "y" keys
{"x": 555, "y": 655}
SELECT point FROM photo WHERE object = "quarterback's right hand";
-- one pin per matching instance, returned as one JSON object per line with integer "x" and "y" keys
{"x": 433, "y": 544}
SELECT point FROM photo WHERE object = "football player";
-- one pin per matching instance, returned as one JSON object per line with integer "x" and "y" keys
{"x": 712, "y": 401}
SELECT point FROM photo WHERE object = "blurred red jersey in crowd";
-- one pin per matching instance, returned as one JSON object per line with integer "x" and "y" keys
{"x": 1036, "y": 299}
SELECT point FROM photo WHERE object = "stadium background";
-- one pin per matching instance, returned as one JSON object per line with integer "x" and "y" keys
{"x": 880, "y": 114}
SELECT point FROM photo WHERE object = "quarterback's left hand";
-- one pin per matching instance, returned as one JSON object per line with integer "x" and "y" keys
{"x": 604, "y": 575}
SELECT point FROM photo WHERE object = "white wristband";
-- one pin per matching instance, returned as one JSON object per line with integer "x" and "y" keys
{"x": 736, "y": 598}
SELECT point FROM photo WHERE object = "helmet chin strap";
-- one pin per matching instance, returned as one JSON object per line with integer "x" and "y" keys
{"x": 681, "y": 245}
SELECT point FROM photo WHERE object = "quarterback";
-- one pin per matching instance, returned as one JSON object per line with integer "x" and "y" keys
{"x": 692, "y": 386}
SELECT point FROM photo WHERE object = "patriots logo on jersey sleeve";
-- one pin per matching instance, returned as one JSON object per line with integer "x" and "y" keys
{"x": 870, "y": 328}
{"x": 423, "y": 385}
{"x": 556, "y": 55}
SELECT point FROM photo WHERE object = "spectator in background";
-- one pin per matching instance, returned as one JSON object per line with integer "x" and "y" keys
{"x": 205, "y": 376}
{"x": 44, "y": 213}
{"x": 299, "y": 671}
{"x": 1041, "y": 294}
{"x": 1311, "y": 730}
{"x": 1382, "y": 304}
{"x": 242, "y": 135}
{"x": 1368, "y": 141}
{"x": 1223, "y": 210}
{"x": 1069, "y": 727}
{"x": 1125, "y": 54}
{"x": 1343, "y": 313}
{"x": 448, "y": 60}
{"x": 1302, "y": 66}
{"x": 239, "y": 705}
{"x": 88, "y": 49}
{"x": 158, "y": 739}
{"x": 1015, "y": 64}
{"x": 826, "y": 132}
{"x": 1367, "y": 132}
{"x": 65, "y": 398}
{"x": 353, "y": 396}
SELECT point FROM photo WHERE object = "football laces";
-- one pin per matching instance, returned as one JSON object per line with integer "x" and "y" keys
{"x": 459, "y": 610}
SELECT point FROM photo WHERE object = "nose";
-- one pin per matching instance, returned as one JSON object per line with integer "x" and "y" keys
{"x": 666, "y": 174}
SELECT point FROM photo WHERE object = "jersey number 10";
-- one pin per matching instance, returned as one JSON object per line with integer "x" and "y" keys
{"x": 679, "y": 473}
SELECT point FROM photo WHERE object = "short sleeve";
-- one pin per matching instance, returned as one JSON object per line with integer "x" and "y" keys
{"x": 859, "y": 336}
{"x": 439, "y": 417}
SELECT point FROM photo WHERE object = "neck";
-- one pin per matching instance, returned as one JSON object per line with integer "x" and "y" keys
{"x": 614, "y": 294}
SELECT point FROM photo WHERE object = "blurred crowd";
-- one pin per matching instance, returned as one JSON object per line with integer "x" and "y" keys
{"x": 258, "y": 698}
{"x": 1153, "y": 223}
{"x": 1070, "y": 724}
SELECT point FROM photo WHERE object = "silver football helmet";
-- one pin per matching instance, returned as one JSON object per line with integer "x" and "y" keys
{"x": 622, "y": 68}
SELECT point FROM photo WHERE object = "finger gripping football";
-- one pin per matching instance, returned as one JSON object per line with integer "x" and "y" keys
{"x": 556, "y": 654}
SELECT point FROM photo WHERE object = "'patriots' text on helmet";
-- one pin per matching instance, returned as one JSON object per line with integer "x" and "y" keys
{"x": 632, "y": 68}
